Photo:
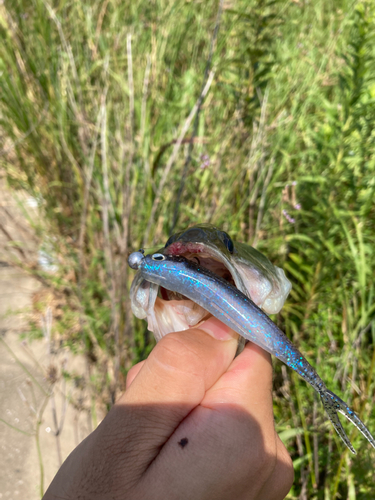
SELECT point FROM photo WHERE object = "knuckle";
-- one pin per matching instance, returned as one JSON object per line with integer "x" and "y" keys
{"x": 285, "y": 464}
{"x": 261, "y": 454}
{"x": 179, "y": 354}
{"x": 131, "y": 373}
{"x": 264, "y": 464}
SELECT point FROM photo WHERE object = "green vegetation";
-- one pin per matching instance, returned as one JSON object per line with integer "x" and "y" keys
{"x": 94, "y": 99}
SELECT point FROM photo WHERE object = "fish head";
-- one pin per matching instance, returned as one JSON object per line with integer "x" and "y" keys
{"x": 240, "y": 264}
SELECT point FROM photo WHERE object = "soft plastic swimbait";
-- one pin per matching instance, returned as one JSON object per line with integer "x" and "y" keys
{"x": 220, "y": 298}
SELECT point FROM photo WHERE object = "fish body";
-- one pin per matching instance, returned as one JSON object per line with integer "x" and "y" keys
{"x": 214, "y": 294}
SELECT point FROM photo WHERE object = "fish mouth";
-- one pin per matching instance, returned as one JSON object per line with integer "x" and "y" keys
{"x": 168, "y": 311}
{"x": 202, "y": 255}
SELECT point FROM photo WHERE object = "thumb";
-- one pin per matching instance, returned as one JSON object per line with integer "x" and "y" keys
{"x": 182, "y": 367}
{"x": 171, "y": 382}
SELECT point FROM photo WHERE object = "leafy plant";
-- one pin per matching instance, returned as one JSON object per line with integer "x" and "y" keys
{"x": 98, "y": 101}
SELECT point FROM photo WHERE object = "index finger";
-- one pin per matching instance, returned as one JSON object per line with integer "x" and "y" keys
{"x": 246, "y": 385}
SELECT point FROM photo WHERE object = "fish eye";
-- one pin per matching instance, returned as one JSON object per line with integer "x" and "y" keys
{"x": 227, "y": 240}
{"x": 158, "y": 256}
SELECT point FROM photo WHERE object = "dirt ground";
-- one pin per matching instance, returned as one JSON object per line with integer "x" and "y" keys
{"x": 30, "y": 415}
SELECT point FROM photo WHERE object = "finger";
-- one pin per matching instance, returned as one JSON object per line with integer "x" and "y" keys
{"x": 247, "y": 388}
{"x": 183, "y": 366}
{"x": 133, "y": 372}
{"x": 229, "y": 439}
{"x": 171, "y": 382}
{"x": 247, "y": 385}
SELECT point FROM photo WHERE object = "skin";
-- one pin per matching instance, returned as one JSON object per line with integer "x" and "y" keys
{"x": 194, "y": 423}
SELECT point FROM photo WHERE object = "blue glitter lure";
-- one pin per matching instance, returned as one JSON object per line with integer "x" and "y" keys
{"x": 232, "y": 307}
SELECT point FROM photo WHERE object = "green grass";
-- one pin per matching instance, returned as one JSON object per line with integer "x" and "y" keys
{"x": 94, "y": 96}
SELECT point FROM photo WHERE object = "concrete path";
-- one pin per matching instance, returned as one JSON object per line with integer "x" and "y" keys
{"x": 30, "y": 413}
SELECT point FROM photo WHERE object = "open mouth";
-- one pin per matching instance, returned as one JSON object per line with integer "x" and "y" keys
{"x": 168, "y": 311}
{"x": 175, "y": 312}
{"x": 201, "y": 255}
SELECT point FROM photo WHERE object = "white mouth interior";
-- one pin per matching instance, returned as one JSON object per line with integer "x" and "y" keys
{"x": 173, "y": 312}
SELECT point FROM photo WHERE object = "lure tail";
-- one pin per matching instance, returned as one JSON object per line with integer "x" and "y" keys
{"x": 333, "y": 404}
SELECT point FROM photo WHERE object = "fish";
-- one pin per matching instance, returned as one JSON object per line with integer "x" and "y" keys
{"x": 240, "y": 264}
{"x": 202, "y": 292}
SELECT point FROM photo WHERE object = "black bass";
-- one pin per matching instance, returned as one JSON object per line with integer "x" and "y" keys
{"x": 216, "y": 295}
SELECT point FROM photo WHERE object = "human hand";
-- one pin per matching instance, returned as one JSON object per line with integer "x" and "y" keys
{"x": 193, "y": 424}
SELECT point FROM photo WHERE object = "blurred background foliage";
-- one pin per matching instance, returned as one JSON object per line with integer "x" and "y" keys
{"x": 97, "y": 107}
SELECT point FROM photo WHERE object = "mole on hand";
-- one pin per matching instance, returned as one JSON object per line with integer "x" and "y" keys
{"x": 183, "y": 442}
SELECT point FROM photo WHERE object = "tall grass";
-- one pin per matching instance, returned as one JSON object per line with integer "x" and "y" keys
{"x": 98, "y": 101}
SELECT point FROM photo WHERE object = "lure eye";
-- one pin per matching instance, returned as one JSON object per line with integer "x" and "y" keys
{"x": 158, "y": 257}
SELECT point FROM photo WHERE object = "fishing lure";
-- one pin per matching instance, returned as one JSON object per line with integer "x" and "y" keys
{"x": 217, "y": 296}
